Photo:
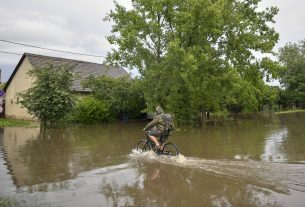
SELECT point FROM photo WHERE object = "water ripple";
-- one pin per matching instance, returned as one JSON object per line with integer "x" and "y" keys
{"x": 275, "y": 176}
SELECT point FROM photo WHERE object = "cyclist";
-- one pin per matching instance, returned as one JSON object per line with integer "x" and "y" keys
{"x": 157, "y": 127}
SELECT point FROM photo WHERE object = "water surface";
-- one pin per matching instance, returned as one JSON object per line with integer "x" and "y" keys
{"x": 243, "y": 162}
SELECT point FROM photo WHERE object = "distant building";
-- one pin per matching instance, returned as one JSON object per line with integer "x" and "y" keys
{"x": 20, "y": 81}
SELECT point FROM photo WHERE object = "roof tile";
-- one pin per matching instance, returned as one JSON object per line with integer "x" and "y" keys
{"x": 82, "y": 68}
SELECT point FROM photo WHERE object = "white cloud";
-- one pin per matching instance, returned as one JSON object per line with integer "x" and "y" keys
{"x": 290, "y": 20}
{"x": 70, "y": 25}
{"x": 77, "y": 25}
{"x": 28, "y": 25}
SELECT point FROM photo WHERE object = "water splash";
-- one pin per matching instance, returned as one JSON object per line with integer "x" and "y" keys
{"x": 152, "y": 155}
{"x": 181, "y": 158}
{"x": 143, "y": 154}
{"x": 244, "y": 157}
{"x": 241, "y": 169}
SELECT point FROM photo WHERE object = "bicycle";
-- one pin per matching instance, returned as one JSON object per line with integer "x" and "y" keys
{"x": 168, "y": 148}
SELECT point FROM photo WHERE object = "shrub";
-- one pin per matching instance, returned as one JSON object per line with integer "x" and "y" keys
{"x": 123, "y": 95}
{"x": 50, "y": 97}
{"x": 91, "y": 110}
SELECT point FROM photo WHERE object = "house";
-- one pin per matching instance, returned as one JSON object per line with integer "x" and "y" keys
{"x": 20, "y": 81}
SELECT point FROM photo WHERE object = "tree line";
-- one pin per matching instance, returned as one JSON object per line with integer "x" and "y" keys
{"x": 200, "y": 56}
{"x": 196, "y": 57}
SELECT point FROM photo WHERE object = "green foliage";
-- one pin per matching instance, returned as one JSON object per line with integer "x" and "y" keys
{"x": 50, "y": 98}
{"x": 195, "y": 55}
{"x": 271, "y": 95}
{"x": 121, "y": 95}
{"x": 221, "y": 114}
{"x": 91, "y": 110}
{"x": 14, "y": 202}
{"x": 292, "y": 77}
{"x": 9, "y": 202}
{"x": 13, "y": 122}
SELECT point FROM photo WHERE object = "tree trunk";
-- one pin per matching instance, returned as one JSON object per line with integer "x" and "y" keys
{"x": 43, "y": 123}
{"x": 202, "y": 117}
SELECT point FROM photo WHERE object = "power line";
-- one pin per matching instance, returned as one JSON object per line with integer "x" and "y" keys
{"x": 12, "y": 53}
{"x": 44, "y": 48}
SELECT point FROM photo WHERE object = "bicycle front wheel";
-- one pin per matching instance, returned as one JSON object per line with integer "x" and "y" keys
{"x": 170, "y": 149}
{"x": 143, "y": 145}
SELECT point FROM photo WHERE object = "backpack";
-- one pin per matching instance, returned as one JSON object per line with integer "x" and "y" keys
{"x": 168, "y": 120}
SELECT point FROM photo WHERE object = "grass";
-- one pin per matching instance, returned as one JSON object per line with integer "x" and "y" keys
{"x": 9, "y": 202}
{"x": 290, "y": 111}
{"x": 15, "y": 122}
{"x": 13, "y": 202}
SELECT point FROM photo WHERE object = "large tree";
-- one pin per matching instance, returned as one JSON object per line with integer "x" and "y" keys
{"x": 195, "y": 55}
{"x": 50, "y": 98}
{"x": 292, "y": 77}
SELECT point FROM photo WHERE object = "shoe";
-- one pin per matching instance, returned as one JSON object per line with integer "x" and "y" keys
{"x": 157, "y": 148}
{"x": 159, "y": 152}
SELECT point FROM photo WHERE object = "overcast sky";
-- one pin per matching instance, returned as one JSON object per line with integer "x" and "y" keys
{"x": 78, "y": 26}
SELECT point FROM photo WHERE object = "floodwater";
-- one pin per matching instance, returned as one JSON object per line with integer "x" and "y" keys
{"x": 243, "y": 162}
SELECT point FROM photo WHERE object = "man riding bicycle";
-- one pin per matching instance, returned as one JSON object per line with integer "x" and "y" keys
{"x": 158, "y": 127}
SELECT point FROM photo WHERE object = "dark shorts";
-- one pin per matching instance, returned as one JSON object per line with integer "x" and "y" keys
{"x": 154, "y": 132}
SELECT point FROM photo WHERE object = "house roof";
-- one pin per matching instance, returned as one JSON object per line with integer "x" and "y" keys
{"x": 82, "y": 68}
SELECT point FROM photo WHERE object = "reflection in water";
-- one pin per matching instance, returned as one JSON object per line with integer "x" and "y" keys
{"x": 162, "y": 185}
{"x": 274, "y": 148}
{"x": 6, "y": 182}
{"x": 13, "y": 139}
{"x": 58, "y": 154}
{"x": 92, "y": 166}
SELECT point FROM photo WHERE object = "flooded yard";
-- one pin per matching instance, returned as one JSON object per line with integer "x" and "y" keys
{"x": 243, "y": 162}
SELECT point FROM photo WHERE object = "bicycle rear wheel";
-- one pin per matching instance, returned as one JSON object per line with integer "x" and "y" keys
{"x": 170, "y": 149}
{"x": 143, "y": 145}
